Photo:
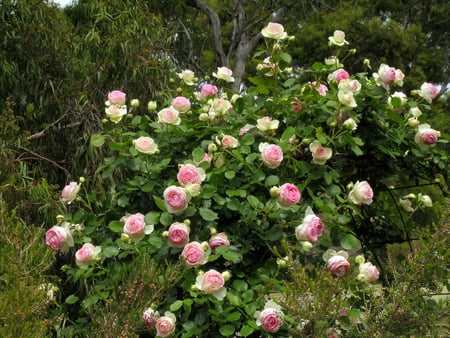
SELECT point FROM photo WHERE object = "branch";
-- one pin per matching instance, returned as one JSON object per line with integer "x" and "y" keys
{"x": 40, "y": 157}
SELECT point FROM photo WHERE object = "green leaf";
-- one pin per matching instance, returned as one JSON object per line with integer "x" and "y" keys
{"x": 176, "y": 305}
{"x": 116, "y": 226}
{"x": 233, "y": 299}
{"x": 72, "y": 299}
{"x": 233, "y": 256}
{"x": 286, "y": 57}
{"x": 97, "y": 140}
{"x": 208, "y": 214}
{"x": 233, "y": 316}
{"x": 197, "y": 154}
{"x": 166, "y": 218}
{"x": 246, "y": 331}
{"x": 240, "y": 285}
{"x": 254, "y": 202}
{"x": 110, "y": 251}
{"x": 349, "y": 242}
{"x": 88, "y": 302}
{"x": 226, "y": 330}
{"x": 229, "y": 174}
{"x": 152, "y": 217}
{"x": 160, "y": 203}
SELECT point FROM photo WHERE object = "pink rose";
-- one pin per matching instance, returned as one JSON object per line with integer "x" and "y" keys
{"x": 169, "y": 116}
{"x": 321, "y": 89}
{"x": 289, "y": 195}
{"x": 426, "y": 135}
{"x": 229, "y": 141}
{"x": 145, "y": 145}
{"x": 181, "y": 103}
{"x": 224, "y": 73}
{"x": 385, "y": 76}
{"x": 207, "y": 91}
{"x": 353, "y": 86}
{"x": 221, "y": 106}
{"x": 311, "y": 227}
{"x": 368, "y": 272}
{"x": 149, "y": 317}
{"x": 165, "y": 325}
{"x": 347, "y": 98}
{"x": 116, "y": 113}
{"x": 320, "y": 154}
{"x": 218, "y": 240}
{"x": 212, "y": 282}
{"x": 338, "y": 75}
{"x": 194, "y": 254}
{"x": 271, "y": 318}
{"x": 178, "y": 235}
{"x": 176, "y": 199}
{"x": 267, "y": 123}
{"x": 428, "y": 91}
{"x": 117, "y": 98}
{"x": 135, "y": 227}
{"x": 271, "y": 154}
{"x": 338, "y": 266}
{"x": 338, "y": 38}
{"x": 361, "y": 193}
{"x": 70, "y": 192}
{"x": 189, "y": 173}
{"x": 59, "y": 238}
{"x": 86, "y": 254}
{"x": 245, "y": 129}
{"x": 274, "y": 31}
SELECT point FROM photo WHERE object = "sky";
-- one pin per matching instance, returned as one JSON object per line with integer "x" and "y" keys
{"x": 63, "y": 3}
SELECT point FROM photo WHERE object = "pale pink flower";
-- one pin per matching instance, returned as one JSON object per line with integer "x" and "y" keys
{"x": 271, "y": 154}
{"x": 385, "y": 76}
{"x": 271, "y": 318}
{"x": 165, "y": 325}
{"x": 267, "y": 123}
{"x": 178, "y": 235}
{"x": 224, "y": 73}
{"x": 338, "y": 38}
{"x": 338, "y": 75}
{"x": 189, "y": 173}
{"x": 350, "y": 85}
{"x": 86, "y": 254}
{"x": 59, "y": 238}
{"x": 212, "y": 282}
{"x": 426, "y": 136}
{"x": 181, "y": 103}
{"x": 245, "y": 129}
{"x": 368, "y": 272}
{"x": 221, "y": 106}
{"x": 274, "y": 31}
{"x": 145, "y": 145}
{"x": 338, "y": 265}
{"x": 320, "y": 154}
{"x": 217, "y": 240}
{"x": 311, "y": 227}
{"x": 361, "y": 193}
{"x": 176, "y": 199}
{"x": 321, "y": 88}
{"x": 195, "y": 254}
{"x": 228, "y": 141}
{"x": 346, "y": 97}
{"x": 288, "y": 195}
{"x": 70, "y": 192}
{"x": 169, "y": 116}
{"x": 428, "y": 91}
{"x": 116, "y": 113}
{"x": 149, "y": 317}
{"x": 135, "y": 226}
{"x": 117, "y": 98}
{"x": 187, "y": 76}
{"x": 207, "y": 91}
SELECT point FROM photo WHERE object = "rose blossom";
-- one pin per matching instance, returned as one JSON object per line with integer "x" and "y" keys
{"x": 274, "y": 31}
{"x": 221, "y": 106}
{"x": 181, "y": 103}
{"x": 70, "y": 192}
{"x": 86, "y": 254}
{"x": 350, "y": 124}
{"x": 338, "y": 75}
{"x": 189, "y": 173}
{"x": 267, "y": 66}
{"x": 401, "y": 96}
{"x": 266, "y": 123}
{"x": 115, "y": 113}
{"x": 320, "y": 154}
{"x": 117, "y": 98}
{"x": 361, "y": 193}
{"x": 385, "y": 76}
{"x": 135, "y": 226}
{"x": 338, "y": 266}
{"x": 426, "y": 135}
{"x": 350, "y": 85}
{"x": 321, "y": 88}
{"x": 338, "y": 38}
{"x": 245, "y": 129}
{"x": 178, "y": 235}
{"x": 165, "y": 325}
{"x": 212, "y": 282}
{"x": 271, "y": 154}
{"x": 218, "y": 240}
{"x": 176, "y": 199}
{"x": 187, "y": 76}
{"x": 288, "y": 195}
{"x": 224, "y": 73}
{"x": 346, "y": 97}
{"x": 207, "y": 91}
{"x": 228, "y": 141}
{"x": 368, "y": 272}
{"x": 149, "y": 317}
{"x": 271, "y": 318}
{"x": 428, "y": 91}
{"x": 311, "y": 227}
{"x": 145, "y": 145}
{"x": 194, "y": 254}
{"x": 59, "y": 238}
{"x": 169, "y": 116}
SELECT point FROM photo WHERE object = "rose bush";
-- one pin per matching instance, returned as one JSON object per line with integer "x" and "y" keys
{"x": 239, "y": 187}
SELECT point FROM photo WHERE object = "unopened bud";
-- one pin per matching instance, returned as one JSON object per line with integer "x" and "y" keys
{"x": 359, "y": 259}
{"x": 124, "y": 237}
{"x": 151, "y": 106}
{"x": 212, "y": 148}
{"x": 226, "y": 275}
{"x": 134, "y": 103}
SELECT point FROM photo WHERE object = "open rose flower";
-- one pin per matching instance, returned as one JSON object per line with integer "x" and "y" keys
{"x": 227, "y": 141}
{"x": 385, "y": 77}
{"x": 149, "y": 318}
{"x": 116, "y": 113}
{"x": 178, "y": 235}
{"x": 224, "y": 73}
{"x": 189, "y": 173}
{"x": 267, "y": 123}
{"x": 428, "y": 91}
{"x": 288, "y": 195}
{"x": 217, "y": 240}
{"x": 368, "y": 272}
{"x": 426, "y": 136}
{"x": 187, "y": 76}
{"x": 70, "y": 192}
{"x": 271, "y": 318}
{"x": 221, "y": 106}
{"x": 145, "y": 145}
{"x": 207, "y": 91}
{"x": 86, "y": 254}
{"x": 338, "y": 75}
{"x": 181, "y": 104}
{"x": 212, "y": 282}
{"x": 165, "y": 325}
{"x": 361, "y": 193}
{"x": 169, "y": 116}
{"x": 135, "y": 226}
{"x": 320, "y": 88}
{"x": 59, "y": 238}
{"x": 195, "y": 253}
{"x": 311, "y": 228}
{"x": 338, "y": 265}
{"x": 320, "y": 154}
{"x": 117, "y": 98}
{"x": 176, "y": 199}
{"x": 338, "y": 38}
{"x": 274, "y": 31}
{"x": 271, "y": 154}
